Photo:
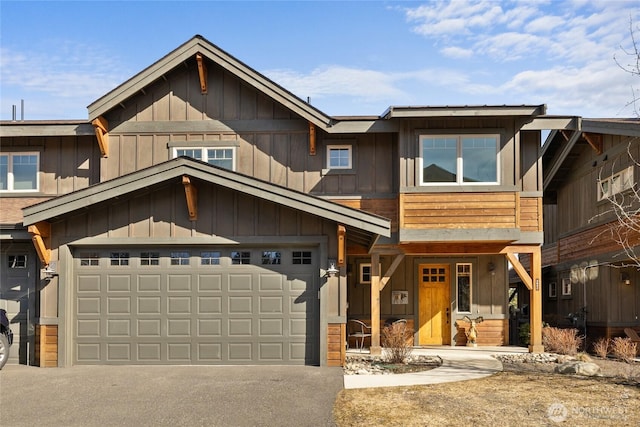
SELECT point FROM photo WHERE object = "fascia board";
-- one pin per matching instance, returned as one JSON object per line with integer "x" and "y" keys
{"x": 611, "y": 127}
{"x": 464, "y": 111}
{"x": 226, "y": 61}
{"x": 552, "y": 123}
{"x": 9, "y": 130}
{"x": 178, "y": 167}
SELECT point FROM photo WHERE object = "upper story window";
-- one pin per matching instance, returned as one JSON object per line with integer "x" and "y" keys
{"x": 339, "y": 157}
{"x": 616, "y": 183}
{"x": 458, "y": 159}
{"x": 19, "y": 171}
{"x": 223, "y": 157}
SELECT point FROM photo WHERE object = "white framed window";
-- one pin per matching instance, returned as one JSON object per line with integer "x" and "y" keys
{"x": 616, "y": 183}
{"x": 210, "y": 258}
{"x": 19, "y": 171}
{"x": 89, "y": 259}
{"x": 365, "y": 273}
{"x": 566, "y": 287}
{"x": 119, "y": 258}
{"x": 301, "y": 257}
{"x": 240, "y": 257}
{"x": 223, "y": 157}
{"x": 339, "y": 157}
{"x": 149, "y": 258}
{"x": 553, "y": 290}
{"x": 271, "y": 258}
{"x": 17, "y": 261}
{"x": 463, "y": 287}
{"x": 458, "y": 159}
{"x": 180, "y": 258}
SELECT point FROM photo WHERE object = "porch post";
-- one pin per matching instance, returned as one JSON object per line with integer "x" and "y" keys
{"x": 375, "y": 348}
{"x": 535, "y": 303}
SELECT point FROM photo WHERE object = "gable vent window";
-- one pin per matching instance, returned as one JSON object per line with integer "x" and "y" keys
{"x": 339, "y": 157}
{"x": 458, "y": 159}
{"x": 19, "y": 171}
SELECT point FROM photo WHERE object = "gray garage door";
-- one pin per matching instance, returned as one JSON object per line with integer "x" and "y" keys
{"x": 196, "y": 306}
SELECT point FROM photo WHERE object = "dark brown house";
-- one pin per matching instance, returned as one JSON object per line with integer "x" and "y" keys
{"x": 590, "y": 281}
{"x": 203, "y": 214}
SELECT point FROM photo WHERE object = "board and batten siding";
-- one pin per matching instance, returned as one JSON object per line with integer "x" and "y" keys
{"x": 272, "y": 143}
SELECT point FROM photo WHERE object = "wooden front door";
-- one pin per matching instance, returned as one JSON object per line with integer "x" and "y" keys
{"x": 435, "y": 316}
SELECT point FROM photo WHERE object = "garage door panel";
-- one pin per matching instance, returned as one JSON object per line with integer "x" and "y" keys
{"x": 202, "y": 314}
{"x": 179, "y": 282}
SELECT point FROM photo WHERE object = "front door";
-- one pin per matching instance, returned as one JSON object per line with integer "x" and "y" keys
{"x": 434, "y": 298}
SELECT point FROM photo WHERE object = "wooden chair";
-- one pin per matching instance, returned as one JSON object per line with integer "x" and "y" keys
{"x": 358, "y": 330}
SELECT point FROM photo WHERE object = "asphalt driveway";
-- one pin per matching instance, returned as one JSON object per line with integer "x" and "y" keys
{"x": 169, "y": 395}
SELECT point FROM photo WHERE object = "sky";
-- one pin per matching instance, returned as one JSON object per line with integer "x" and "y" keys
{"x": 347, "y": 57}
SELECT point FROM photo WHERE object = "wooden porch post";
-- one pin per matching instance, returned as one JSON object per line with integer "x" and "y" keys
{"x": 535, "y": 321}
{"x": 375, "y": 348}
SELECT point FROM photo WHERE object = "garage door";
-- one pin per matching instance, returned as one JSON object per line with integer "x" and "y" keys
{"x": 196, "y": 306}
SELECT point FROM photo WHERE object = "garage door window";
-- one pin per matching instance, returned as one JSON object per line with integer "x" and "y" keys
{"x": 271, "y": 258}
{"x": 240, "y": 257}
{"x": 89, "y": 260}
{"x": 210, "y": 258}
{"x": 180, "y": 258}
{"x": 301, "y": 257}
{"x": 149, "y": 258}
{"x": 17, "y": 261}
{"x": 120, "y": 258}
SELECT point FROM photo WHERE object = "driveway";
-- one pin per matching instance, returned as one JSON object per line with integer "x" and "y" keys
{"x": 169, "y": 395}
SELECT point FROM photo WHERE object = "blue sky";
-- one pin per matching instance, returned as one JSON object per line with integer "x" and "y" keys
{"x": 348, "y": 57}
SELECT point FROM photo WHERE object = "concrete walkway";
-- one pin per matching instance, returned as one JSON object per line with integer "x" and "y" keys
{"x": 458, "y": 364}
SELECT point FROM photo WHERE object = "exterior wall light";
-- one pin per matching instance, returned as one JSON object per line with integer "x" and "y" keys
{"x": 332, "y": 270}
{"x": 624, "y": 278}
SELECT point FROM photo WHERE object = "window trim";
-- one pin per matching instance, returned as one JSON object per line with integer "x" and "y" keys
{"x": 566, "y": 287}
{"x": 10, "y": 177}
{"x": 621, "y": 188}
{"x": 349, "y": 149}
{"x": 459, "y": 159}
{"x": 553, "y": 290}
{"x": 204, "y": 152}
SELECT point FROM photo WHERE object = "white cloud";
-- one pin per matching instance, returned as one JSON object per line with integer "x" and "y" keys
{"x": 457, "y": 52}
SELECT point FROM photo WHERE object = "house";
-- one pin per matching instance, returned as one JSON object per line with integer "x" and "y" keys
{"x": 203, "y": 214}
{"x": 590, "y": 281}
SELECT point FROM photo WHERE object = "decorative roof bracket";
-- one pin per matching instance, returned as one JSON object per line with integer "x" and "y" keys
{"x": 312, "y": 139}
{"x": 191, "y": 193}
{"x": 101, "y": 127}
{"x": 202, "y": 73}
{"x": 594, "y": 140}
{"x": 342, "y": 245}
{"x": 38, "y": 232}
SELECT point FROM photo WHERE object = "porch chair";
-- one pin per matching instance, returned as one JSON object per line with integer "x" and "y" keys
{"x": 358, "y": 330}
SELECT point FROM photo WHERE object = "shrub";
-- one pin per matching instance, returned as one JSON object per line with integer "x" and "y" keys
{"x": 601, "y": 347}
{"x": 524, "y": 334}
{"x": 624, "y": 349}
{"x": 395, "y": 338}
{"x": 561, "y": 341}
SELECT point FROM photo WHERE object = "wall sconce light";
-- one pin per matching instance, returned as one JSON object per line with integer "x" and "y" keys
{"x": 624, "y": 278}
{"x": 48, "y": 272}
{"x": 332, "y": 270}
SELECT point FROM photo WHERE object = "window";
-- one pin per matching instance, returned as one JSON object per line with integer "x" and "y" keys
{"x": 616, "y": 183}
{"x": 566, "y": 287}
{"x": 217, "y": 156}
{"x": 339, "y": 157}
{"x": 553, "y": 290}
{"x": 240, "y": 257}
{"x": 89, "y": 260}
{"x": 119, "y": 258}
{"x": 17, "y": 261}
{"x": 149, "y": 258}
{"x": 180, "y": 258}
{"x": 463, "y": 280}
{"x": 210, "y": 258}
{"x": 365, "y": 273}
{"x": 301, "y": 257}
{"x": 271, "y": 258}
{"x": 463, "y": 159}
{"x": 19, "y": 171}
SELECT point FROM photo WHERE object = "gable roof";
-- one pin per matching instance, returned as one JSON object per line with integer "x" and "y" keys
{"x": 199, "y": 44}
{"x": 367, "y": 227}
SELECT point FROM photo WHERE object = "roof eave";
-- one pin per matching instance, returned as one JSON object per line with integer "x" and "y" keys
{"x": 464, "y": 111}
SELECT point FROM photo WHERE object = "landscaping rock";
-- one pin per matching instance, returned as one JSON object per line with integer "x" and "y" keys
{"x": 578, "y": 368}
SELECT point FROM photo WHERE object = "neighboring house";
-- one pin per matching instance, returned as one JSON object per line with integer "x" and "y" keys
{"x": 196, "y": 216}
{"x": 585, "y": 270}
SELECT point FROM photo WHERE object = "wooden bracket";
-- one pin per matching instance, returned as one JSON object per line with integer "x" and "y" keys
{"x": 202, "y": 73}
{"x": 102, "y": 128}
{"x": 191, "y": 193}
{"x": 594, "y": 140}
{"x": 566, "y": 135}
{"x": 342, "y": 246}
{"x": 312, "y": 139}
{"x": 387, "y": 275}
{"x": 38, "y": 232}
